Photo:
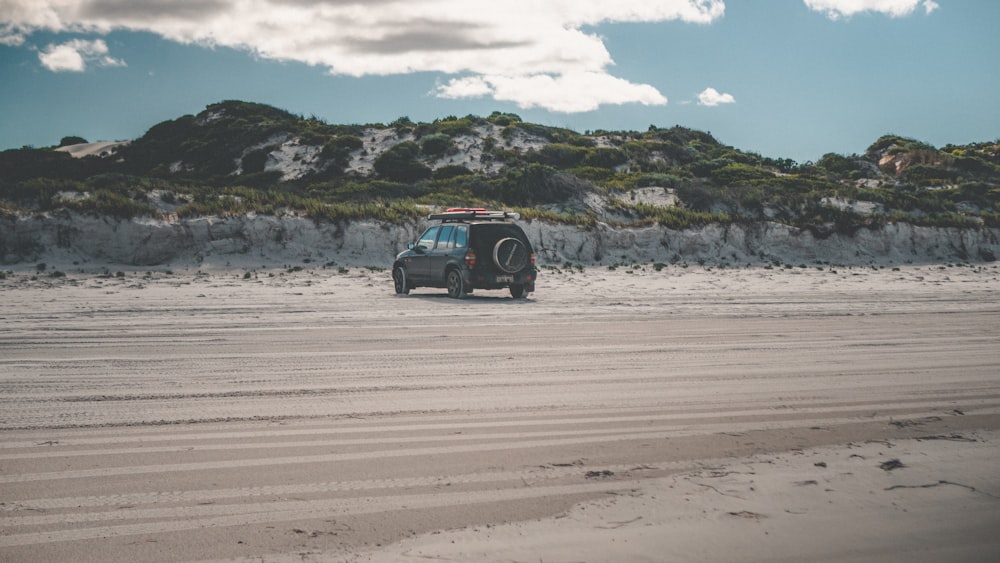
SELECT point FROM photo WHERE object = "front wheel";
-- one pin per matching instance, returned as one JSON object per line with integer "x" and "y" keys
{"x": 456, "y": 285}
{"x": 399, "y": 280}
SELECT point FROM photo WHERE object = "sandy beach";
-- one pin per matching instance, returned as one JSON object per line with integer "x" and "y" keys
{"x": 636, "y": 413}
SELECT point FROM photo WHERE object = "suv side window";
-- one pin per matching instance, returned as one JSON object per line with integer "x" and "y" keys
{"x": 427, "y": 239}
{"x": 445, "y": 241}
{"x": 461, "y": 236}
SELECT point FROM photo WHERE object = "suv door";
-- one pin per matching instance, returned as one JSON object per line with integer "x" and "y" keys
{"x": 418, "y": 264}
{"x": 438, "y": 258}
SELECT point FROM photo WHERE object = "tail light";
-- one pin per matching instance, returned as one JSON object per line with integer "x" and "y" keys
{"x": 532, "y": 258}
{"x": 470, "y": 259}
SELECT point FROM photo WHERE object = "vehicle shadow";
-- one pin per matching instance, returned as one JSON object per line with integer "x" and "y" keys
{"x": 499, "y": 298}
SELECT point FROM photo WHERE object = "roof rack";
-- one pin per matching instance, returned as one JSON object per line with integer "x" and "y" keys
{"x": 471, "y": 213}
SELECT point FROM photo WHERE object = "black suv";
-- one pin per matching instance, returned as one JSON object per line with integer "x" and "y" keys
{"x": 469, "y": 249}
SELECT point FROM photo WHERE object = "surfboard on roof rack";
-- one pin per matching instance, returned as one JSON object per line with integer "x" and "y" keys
{"x": 473, "y": 213}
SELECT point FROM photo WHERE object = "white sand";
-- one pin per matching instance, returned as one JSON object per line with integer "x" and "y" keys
{"x": 941, "y": 506}
{"x": 100, "y": 148}
{"x": 641, "y": 415}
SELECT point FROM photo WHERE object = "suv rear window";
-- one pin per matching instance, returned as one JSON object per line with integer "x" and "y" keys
{"x": 497, "y": 231}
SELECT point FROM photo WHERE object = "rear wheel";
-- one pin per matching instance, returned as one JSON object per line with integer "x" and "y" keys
{"x": 456, "y": 285}
{"x": 517, "y": 291}
{"x": 399, "y": 280}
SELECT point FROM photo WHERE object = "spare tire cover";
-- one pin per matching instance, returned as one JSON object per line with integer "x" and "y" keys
{"x": 510, "y": 255}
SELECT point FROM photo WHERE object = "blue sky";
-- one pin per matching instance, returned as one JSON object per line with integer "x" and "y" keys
{"x": 784, "y": 78}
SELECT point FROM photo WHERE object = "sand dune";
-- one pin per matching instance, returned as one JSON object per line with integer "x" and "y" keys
{"x": 629, "y": 414}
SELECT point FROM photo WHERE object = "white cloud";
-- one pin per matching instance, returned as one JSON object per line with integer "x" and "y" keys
{"x": 11, "y": 40}
{"x": 550, "y": 91}
{"x": 75, "y": 55}
{"x": 62, "y": 58}
{"x": 468, "y": 87}
{"x": 536, "y": 54}
{"x": 836, "y": 9}
{"x": 711, "y": 97}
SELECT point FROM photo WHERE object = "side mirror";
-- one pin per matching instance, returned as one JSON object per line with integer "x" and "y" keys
{"x": 410, "y": 246}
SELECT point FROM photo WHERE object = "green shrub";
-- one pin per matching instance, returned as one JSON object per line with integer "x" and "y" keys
{"x": 435, "y": 145}
{"x": 592, "y": 173}
{"x": 267, "y": 179}
{"x": 697, "y": 197}
{"x": 703, "y": 168}
{"x": 106, "y": 202}
{"x": 564, "y": 218}
{"x": 37, "y": 192}
{"x": 26, "y": 164}
{"x": 503, "y": 119}
{"x": 452, "y": 126}
{"x": 400, "y": 164}
{"x": 976, "y": 166}
{"x": 561, "y": 155}
{"x": 538, "y": 183}
{"x": 72, "y": 140}
{"x": 341, "y": 145}
{"x": 840, "y": 165}
{"x": 254, "y": 161}
{"x": 371, "y": 190}
{"x": 604, "y": 157}
{"x": 531, "y": 129}
{"x": 450, "y": 171}
{"x": 732, "y": 174}
{"x": 678, "y": 218}
{"x": 658, "y": 179}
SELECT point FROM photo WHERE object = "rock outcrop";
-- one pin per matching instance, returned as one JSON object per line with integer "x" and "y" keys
{"x": 70, "y": 237}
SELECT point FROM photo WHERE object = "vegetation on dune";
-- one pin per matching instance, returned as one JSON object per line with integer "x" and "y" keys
{"x": 227, "y": 160}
